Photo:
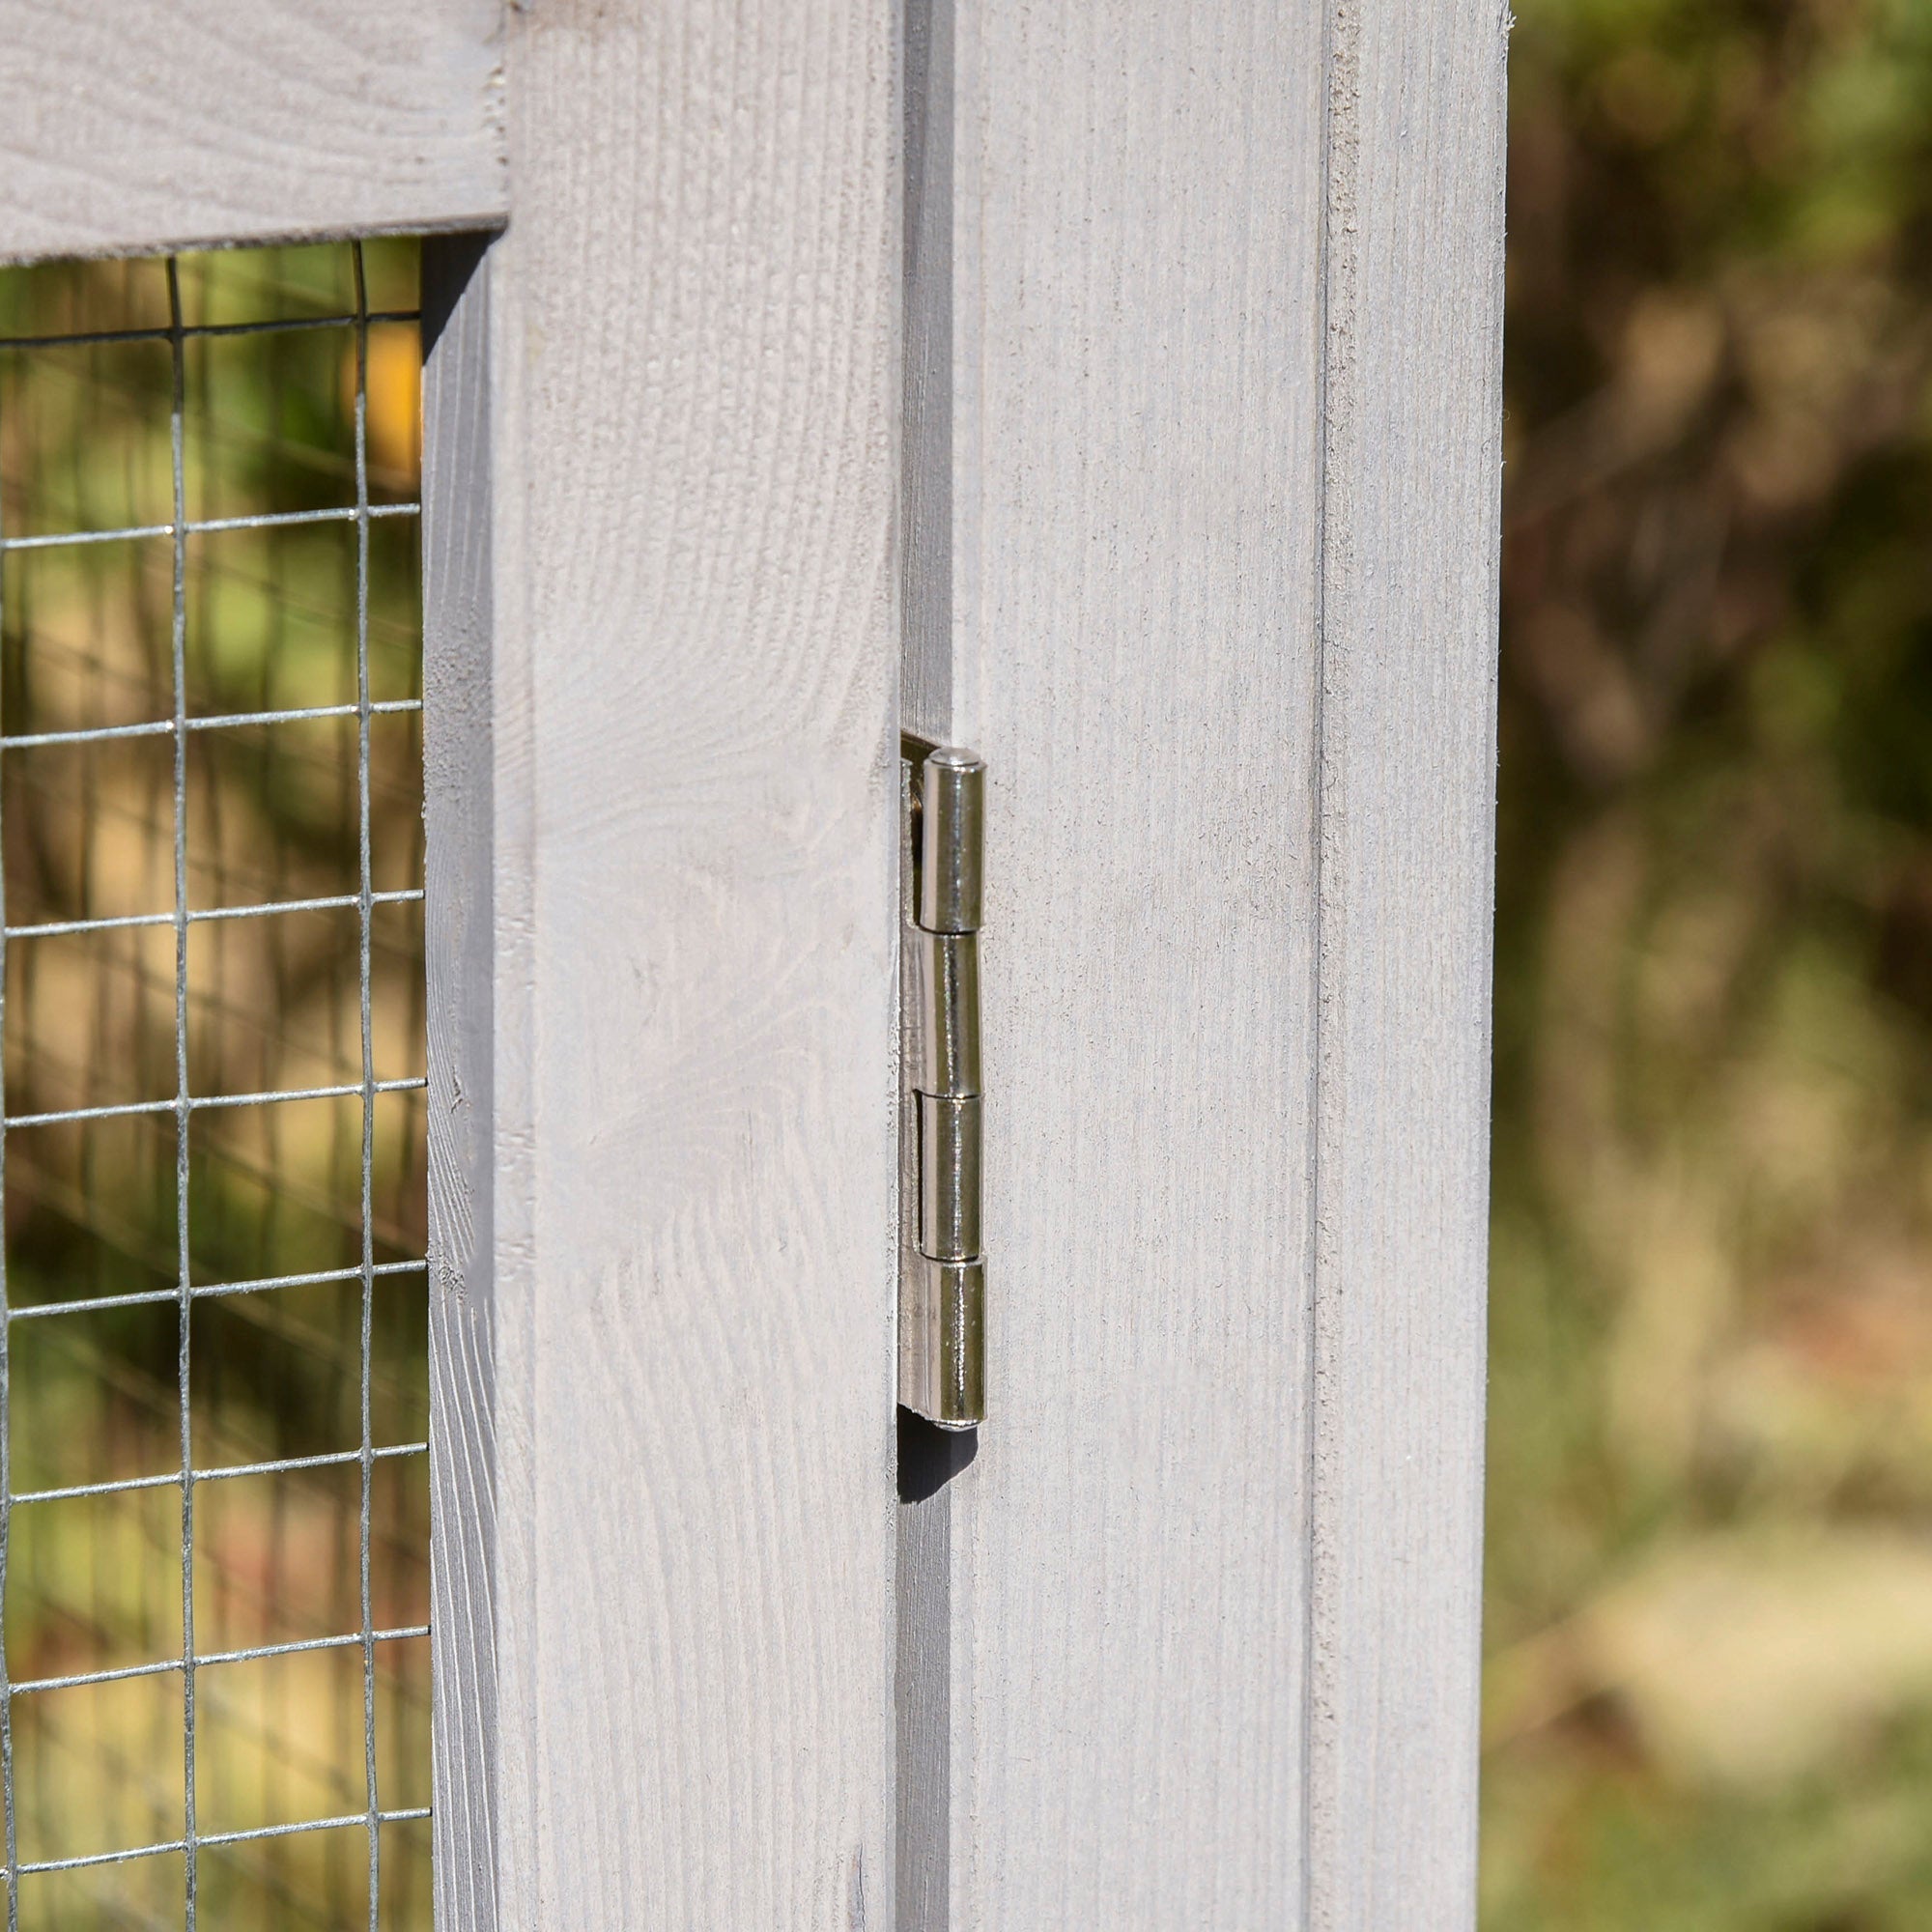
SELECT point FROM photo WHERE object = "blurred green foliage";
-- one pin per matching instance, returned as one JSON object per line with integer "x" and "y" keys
{"x": 1709, "y": 1594}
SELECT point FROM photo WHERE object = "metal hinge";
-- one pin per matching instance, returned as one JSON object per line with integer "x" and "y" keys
{"x": 943, "y": 1290}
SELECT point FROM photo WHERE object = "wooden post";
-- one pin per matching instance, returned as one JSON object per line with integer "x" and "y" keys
{"x": 1223, "y": 465}
{"x": 663, "y": 843}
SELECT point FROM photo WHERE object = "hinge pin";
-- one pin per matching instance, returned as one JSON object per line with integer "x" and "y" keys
{"x": 941, "y": 1309}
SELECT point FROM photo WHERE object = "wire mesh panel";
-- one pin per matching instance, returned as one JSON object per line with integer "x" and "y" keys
{"x": 213, "y": 1500}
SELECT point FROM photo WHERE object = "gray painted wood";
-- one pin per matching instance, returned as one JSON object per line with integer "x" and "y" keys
{"x": 461, "y": 932}
{"x": 1225, "y": 469}
{"x": 129, "y": 125}
{"x": 689, "y": 502}
{"x": 1129, "y": 1585}
{"x": 926, "y": 494}
{"x": 1411, "y": 460}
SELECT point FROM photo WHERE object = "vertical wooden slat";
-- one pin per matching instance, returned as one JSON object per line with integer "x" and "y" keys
{"x": 1137, "y": 471}
{"x": 1224, "y": 539}
{"x": 459, "y": 739}
{"x": 693, "y": 390}
{"x": 1412, "y": 462}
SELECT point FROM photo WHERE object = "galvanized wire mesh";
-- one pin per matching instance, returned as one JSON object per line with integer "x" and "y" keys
{"x": 212, "y": 1395}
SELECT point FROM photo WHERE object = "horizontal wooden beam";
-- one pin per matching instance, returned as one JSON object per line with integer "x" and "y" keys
{"x": 128, "y": 126}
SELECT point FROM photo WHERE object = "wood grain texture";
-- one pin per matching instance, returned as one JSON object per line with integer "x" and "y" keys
{"x": 460, "y": 931}
{"x": 1411, "y": 464}
{"x": 129, "y": 125}
{"x": 1138, "y": 536}
{"x": 1224, "y": 540}
{"x": 693, "y": 317}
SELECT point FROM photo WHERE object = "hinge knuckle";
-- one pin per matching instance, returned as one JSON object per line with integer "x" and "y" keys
{"x": 952, "y": 843}
{"x": 942, "y": 1303}
{"x": 948, "y": 1016}
{"x": 949, "y": 1177}
{"x": 946, "y": 1320}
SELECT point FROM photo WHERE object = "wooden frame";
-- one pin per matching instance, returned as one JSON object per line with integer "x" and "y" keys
{"x": 1115, "y": 387}
{"x": 1221, "y": 478}
{"x": 143, "y": 125}
{"x": 665, "y": 1286}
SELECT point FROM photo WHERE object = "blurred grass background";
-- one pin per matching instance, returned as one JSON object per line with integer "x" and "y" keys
{"x": 95, "y": 1583}
{"x": 1709, "y": 1591}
